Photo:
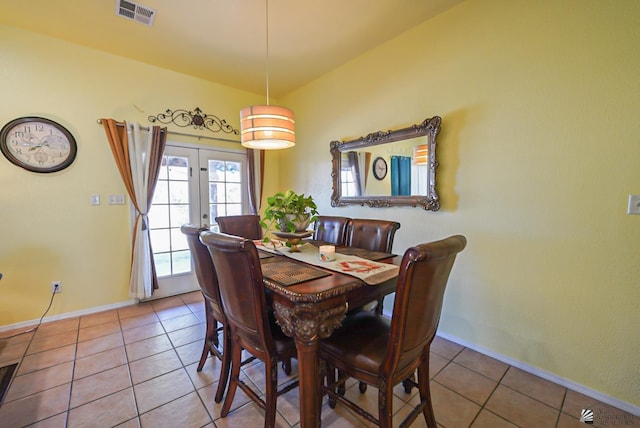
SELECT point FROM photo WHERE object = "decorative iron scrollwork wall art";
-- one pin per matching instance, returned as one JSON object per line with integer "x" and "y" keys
{"x": 195, "y": 119}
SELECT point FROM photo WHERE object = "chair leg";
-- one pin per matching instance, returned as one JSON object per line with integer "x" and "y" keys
{"x": 330, "y": 376}
{"x": 385, "y": 400}
{"x": 286, "y": 366}
{"x": 271, "y": 394}
{"x": 205, "y": 353}
{"x": 214, "y": 334}
{"x": 378, "y": 308}
{"x": 226, "y": 363}
{"x": 408, "y": 383}
{"x": 211, "y": 335}
{"x": 233, "y": 382}
{"x": 425, "y": 394}
{"x": 342, "y": 387}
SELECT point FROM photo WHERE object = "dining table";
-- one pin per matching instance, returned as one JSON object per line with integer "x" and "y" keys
{"x": 310, "y": 301}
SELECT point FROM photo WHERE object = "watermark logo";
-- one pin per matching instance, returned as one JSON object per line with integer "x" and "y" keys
{"x": 586, "y": 416}
{"x": 605, "y": 417}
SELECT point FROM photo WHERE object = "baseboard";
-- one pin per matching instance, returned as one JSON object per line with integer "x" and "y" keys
{"x": 31, "y": 323}
{"x": 622, "y": 405}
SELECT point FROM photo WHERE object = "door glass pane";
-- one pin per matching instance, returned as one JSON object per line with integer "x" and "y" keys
{"x": 181, "y": 261}
{"x": 159, "y": 216}
{"x": 216, "y": 192}
{"x": 160, "y": 240}
{"x": 225, "y": 188}
{"x": 161, "y": 194}
{"x": 163, "y": 264}
{"x": 178, "y": 168}
{"x": 169, "y": 211}
{"x": 234, "y": 193}
{"x": 179, "y": 213}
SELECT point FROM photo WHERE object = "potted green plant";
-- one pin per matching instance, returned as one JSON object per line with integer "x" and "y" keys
{"x": 290, "y": 211}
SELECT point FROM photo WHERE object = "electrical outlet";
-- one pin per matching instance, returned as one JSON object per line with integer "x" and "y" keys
{"x": 56, "y": 287}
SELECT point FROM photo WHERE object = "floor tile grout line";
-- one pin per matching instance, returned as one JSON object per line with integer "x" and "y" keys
{"x": 127, "y": 362}
{"x": 73, "y": 372}
{"x": 183, "y": 367}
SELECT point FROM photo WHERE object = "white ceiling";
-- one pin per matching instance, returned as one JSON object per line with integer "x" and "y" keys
{"x": 225, "y": 40}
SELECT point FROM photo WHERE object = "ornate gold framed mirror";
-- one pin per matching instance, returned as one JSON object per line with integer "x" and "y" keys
{"x": 408, "y": 153}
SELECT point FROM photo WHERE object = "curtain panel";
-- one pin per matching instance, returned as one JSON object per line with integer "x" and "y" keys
{"x": 255, "y": 160}
{"x": 400, "y": 175}
{"x": 138, "y": 155}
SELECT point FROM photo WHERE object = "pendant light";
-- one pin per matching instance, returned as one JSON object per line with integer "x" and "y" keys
{"x": 267, "y": 127}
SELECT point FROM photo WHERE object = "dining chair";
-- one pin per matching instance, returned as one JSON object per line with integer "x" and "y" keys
{"x": 208, "y": 281}
{"x": 331, "y": 229}
{"x": 373, "y": 235}
{"x": 246, "y": 226}
{"x": 244, "y": 301}
{"x": 384, "y": 352}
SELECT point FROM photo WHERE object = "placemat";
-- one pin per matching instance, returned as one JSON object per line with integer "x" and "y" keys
{"x": 289, "y": 273}
{"x": 365, "y": 254}
{"x": 264, "y": 255}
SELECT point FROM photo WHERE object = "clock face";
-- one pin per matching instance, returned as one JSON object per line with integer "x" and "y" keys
{"x": 37, "y": 144}
{"x": 379, "y": 168}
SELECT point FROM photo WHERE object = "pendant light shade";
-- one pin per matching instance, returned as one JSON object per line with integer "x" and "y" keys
{"x": 267, "y": 127}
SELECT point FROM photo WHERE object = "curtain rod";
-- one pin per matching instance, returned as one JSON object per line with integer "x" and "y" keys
{"x": 146, "y": 128}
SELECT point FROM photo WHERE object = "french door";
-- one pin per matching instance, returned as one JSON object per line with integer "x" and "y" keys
{"x": 195, "y": 185}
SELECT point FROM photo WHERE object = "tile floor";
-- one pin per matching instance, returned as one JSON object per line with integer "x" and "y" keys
{"x": 136, "y": 366}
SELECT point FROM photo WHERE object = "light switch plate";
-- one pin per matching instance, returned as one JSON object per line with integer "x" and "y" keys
{"x": 634, "y": 204}
{"x": 116, "y": 199}
{"x": 95, "y": 199}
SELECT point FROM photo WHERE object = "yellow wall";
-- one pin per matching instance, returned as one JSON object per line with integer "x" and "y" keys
{"x": 48, "y": 229}
{"x": 538, "y": 151}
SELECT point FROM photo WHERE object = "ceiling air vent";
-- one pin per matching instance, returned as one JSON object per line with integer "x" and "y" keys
{"x": 135, "y": 12}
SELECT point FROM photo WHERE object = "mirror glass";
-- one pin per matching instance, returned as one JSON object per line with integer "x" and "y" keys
{"x": 385, "y": 168}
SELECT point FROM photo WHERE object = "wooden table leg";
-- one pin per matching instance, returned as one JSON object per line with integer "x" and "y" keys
{"x": 308, "y": 323}
{"x": 309, "y": 378}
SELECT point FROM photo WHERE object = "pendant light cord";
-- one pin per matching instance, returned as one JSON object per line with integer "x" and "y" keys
{"x": 267, "y": 43}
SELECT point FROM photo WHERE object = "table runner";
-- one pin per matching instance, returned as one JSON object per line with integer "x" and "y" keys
{"x": 365, "y": 254}
{"x": 290, "y": 273}
{"x": 370, "y": 272}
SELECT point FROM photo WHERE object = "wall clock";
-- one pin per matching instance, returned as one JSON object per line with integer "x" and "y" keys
{"x": 379, "y": 168}
{"x": 38, "y": 144}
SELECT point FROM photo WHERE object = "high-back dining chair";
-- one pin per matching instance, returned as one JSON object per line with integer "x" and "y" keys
{"x": 208, "y": 281}
{"x": 332, "y": 229}
{"x": 384, "y": 352}
{"x": 246, "y": 226}
{"x": 244, "y": 301}
{"x": 373, "y": 235}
